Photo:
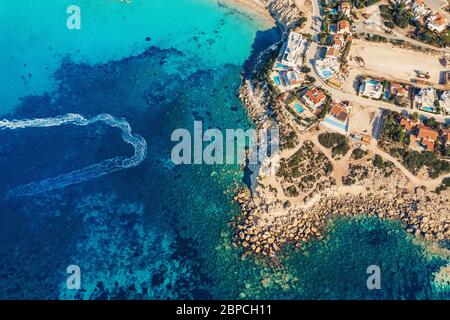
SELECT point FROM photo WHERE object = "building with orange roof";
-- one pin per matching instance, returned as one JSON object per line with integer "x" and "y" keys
{"x": 338, "y": 41}
{"x": 420, "y": 9}
{"x": 337, "y": 118}
{"x": 408, "y": 124}
{"x": 314, "y": 98}
{"x": 398, "y": 90}
{"x": 446, "y": 137}
{"x": 332, "y": 52}
{"x": 425, "y": 137}
{"x": 426, "y": 132}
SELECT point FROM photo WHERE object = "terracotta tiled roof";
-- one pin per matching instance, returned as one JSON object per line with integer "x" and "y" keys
{"x": 315, "y": 95}
{"x": 408, "y": 124}
{"x": 398, "y": 89}
{"x": 338, "y": 40}
{"x": 339, "y": 112}
{"x": 420, "y": 3}
{"x": 439, "y": 19}
{"x": 427, "y": 133}
{"x": 332, "y": 52}
{"x": 428, "y": 144}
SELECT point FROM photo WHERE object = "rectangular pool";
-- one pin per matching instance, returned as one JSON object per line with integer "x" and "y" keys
{"x": 428, "y": 109}
{"x": 277, "y": 81}
{"x": 298, "y": 108}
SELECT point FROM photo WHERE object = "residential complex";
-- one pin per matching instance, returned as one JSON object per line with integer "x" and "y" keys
{"x": 425, "y": 100}
{"x": 294, "y": 50}
{"x": 286, "y": 74}
{"x": 437, "y": 22}
{"x": 337, "y": 118}
{"x": 371, "y": 88}
{"x": 314, "y": 98}
{"x": 444, "y": 102}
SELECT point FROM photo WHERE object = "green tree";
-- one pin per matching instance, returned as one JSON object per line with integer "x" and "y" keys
{"x": 432, "y": 123}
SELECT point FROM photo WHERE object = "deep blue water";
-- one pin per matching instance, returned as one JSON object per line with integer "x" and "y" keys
{"x": 157, "y": 231}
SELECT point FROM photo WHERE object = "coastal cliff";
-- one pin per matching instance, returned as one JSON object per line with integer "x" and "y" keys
{"x": 285, "y": 12}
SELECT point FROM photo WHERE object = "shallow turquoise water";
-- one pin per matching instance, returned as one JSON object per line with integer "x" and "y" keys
{"x": 156, "y": 231}
{"x": 335, "y": 268}
{"x": 34, "y": 37}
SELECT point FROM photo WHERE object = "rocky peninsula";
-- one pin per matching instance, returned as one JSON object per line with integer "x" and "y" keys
{"x": 313, "y": 186}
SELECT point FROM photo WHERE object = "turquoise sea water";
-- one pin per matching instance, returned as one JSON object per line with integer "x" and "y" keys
{"x": 34, "y": 37}
{"x": 154, "y": 231}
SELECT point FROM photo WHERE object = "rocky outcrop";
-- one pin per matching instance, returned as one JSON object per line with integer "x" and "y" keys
{"x": 285, "y": 12}
{"x": 265, "y": 229}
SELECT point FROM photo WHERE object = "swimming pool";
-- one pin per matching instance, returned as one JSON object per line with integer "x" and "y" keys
{"x": 337, "y": 124}
{"x": 429, "y": 109}
{"x": 281, "y": 66}
{"x": 326, "y": 73}
{"x": 277, "y": 81}
{"x": 298, "y": 107}
{"x": 373, "y": 82}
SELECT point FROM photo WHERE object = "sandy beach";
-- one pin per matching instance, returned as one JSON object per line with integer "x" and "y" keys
{"x": 253, "y": 7}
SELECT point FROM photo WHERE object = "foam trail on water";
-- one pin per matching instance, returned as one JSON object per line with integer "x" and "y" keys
{"x": 85, "y": 174}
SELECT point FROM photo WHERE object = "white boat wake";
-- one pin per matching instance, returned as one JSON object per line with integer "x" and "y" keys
{"x": 85, "y": 174}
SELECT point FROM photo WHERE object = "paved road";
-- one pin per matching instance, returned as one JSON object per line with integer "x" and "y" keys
{"x": 344, "y": 96}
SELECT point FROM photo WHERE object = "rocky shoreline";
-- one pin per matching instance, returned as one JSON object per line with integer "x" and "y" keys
{"x": 267, "y": 224}
{"x": 260, "y": 231}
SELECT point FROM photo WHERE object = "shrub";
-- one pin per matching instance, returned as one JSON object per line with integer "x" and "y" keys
{"x": 292, "y": 191}
{"x": 378, "y": 162}
{"x": 358, "y": 153}
{"x": 336, "y": 141}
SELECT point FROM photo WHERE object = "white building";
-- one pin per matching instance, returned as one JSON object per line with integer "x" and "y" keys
{"x": 294, "y": 50}
{"x": 287, "y": 80}
{"x": 329, "y": 65}
{"x": 444, "y": 102}
{"x": 437, "y": 22}
{"x": 345, "y": 8}
{"x": 424, "y": 100}
{"x": 371, "y": 88}
{"x": 408, "y": 3}
{"x": 420, "y": 9}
